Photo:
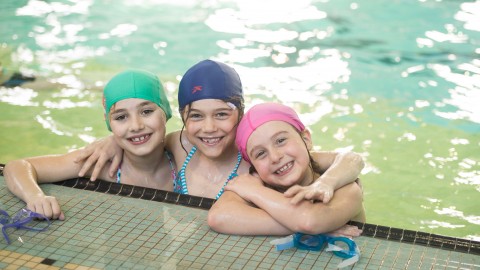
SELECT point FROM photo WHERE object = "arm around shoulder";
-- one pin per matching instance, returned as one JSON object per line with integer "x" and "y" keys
{"x": 339, "y": 168}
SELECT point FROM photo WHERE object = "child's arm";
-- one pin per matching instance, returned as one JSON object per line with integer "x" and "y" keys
{"x": 306, "y": 216}
{"x": 98, "y": 154}
{"x": 23, "y": 176}
{"x": 233, "y": 215}
{"x": 339, "y": 169}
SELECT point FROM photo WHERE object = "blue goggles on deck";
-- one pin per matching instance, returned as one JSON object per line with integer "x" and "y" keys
{"x": 23, "y": 219}
{"x": 316, "y": 242}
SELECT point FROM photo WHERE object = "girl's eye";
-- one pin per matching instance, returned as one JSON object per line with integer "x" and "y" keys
{"x": 222, "y": 115}
{"x": 195, "y": 116}
{"x": 281, "y": 140}
{"x": 147, "y": 111}
{"x": 119, "y": 117}
{"x": 259, "y": 154}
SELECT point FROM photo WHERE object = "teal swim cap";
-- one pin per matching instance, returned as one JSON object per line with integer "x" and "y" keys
{"x": 135, "y": 84}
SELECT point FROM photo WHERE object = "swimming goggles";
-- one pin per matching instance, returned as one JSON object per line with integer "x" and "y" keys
{"x": 23, "y": 219}
{"x": 316, "y": 243}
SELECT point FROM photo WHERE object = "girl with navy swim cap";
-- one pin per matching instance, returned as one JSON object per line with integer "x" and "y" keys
{"x": 211, "y": 105}
{"x": 136, "y": 111}
{"x": 273, "y": 139}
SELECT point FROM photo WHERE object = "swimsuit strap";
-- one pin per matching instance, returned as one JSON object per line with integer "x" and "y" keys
{"x": 183, "y": 182}
{"x": 232, "y": 175}
{"x": 173, "y": 171}
{"x": 119, "y": 172}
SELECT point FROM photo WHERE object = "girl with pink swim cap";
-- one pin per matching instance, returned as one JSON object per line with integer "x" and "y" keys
{"x": 276, "y": 143}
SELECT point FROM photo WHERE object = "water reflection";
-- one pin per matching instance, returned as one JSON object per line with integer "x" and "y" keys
{"x": 18, "y": 96}
{"x": 307, "y": 81}
{"x": 47, "y": 122}
{"x": 250, "y": 13}
{"x": 40, "y": 8}
{"x": 470, "y": 14}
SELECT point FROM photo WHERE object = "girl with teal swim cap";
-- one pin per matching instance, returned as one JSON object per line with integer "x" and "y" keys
{"x": 136, "y": 111}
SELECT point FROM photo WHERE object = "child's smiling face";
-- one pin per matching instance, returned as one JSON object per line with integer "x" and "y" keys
{"x": 280, "y": 155}
{"x": 138, "y": 125}
{"x": 211, "y": 126}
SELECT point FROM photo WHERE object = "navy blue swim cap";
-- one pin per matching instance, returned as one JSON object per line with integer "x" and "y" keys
{"x": 210, "y": 79}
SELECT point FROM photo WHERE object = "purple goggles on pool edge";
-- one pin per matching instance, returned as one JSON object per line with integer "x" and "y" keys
{"x": 23, "y": 219}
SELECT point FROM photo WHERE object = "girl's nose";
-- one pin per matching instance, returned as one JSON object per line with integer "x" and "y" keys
{"x": 276, "y": 155}
{"x": 136, "y": 124}
{"x": 209, "y": 125}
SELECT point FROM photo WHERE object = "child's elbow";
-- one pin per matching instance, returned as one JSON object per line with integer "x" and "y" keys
{"x": 215, "y": 220}
{"x": 312, "y": 222}
{"x": 312, "y": 225}
{"x": 11, "y": 173}
{"x": 355, "y": 160}
{"x": 12, "y": 167}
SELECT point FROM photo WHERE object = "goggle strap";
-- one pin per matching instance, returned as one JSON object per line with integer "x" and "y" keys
{"x": 5, "y": 235}
{"x": 283, "y": 243}
{"x": 352, "y": 255}
{"x": 348, "y": 262}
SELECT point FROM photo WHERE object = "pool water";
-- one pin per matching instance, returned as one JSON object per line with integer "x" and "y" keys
{"x": 397, "y": 82}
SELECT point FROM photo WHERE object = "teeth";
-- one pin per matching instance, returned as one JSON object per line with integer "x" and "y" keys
{"x": 284, "y": 168}
{"x": 211, "y": 140}
{"x": 139, "y": 139}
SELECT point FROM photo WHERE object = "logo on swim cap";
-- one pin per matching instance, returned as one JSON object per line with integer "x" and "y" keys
{"x": 196, "y": 88}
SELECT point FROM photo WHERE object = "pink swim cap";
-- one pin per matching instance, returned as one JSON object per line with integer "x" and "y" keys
{"x": 259, "y": 115}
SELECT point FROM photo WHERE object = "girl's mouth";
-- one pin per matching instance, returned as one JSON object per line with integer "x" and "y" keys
{"x": 285, "y": 168}
{"x": 139, "y": 139}
{"x": 211, "y": 141}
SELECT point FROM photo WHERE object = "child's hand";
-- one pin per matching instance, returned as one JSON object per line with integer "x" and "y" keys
{"x": 244, "y": 185}
{"x": 47, "y": 206}
{"x": 346, "y": 231}
{"x": 97, "y": 154}
{"x": 317, "y": 191}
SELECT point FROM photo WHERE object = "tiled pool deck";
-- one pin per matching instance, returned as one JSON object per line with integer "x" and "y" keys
{"x": 105, "y": 231}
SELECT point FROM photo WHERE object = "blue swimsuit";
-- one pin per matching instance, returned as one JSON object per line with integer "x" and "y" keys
{"x": 180, "y": 183}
